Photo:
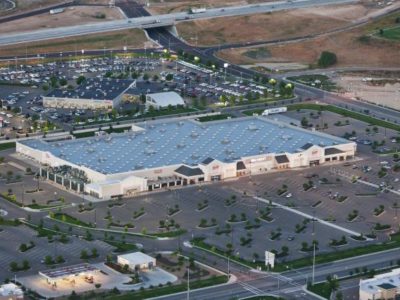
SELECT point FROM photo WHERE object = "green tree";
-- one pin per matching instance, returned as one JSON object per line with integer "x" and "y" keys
{"x": 13, "y": 266}
{"x": 94, "y": 252}
{"x": 59, "y": 259}
{"x": 48, "y": 260}
{"x": 327, "y": 59}
{"x": 84, "y": 254}
{"x": 63, "y": 82}
{"x": 25, "y": 265}
{"x": 81, "y": 79}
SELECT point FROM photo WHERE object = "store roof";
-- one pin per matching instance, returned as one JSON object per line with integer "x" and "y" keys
{"x": 95, "y": 88}
{"x": 137, "y": 258}
{"x": 187, "y": 142}
{"x": 189, "y": 172}
{"x": 282, "y": 159}
{"x": 167, "y": 98}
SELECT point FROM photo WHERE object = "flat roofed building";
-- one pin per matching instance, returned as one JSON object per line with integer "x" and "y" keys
{"x": 94, "y": 93}
{"x": 383, "y": 286}
{"x": 163, "y": 100}
{"x": 11, "y": 291}
{"x": 136, "y": 261}
{"x": 170, "y": 153}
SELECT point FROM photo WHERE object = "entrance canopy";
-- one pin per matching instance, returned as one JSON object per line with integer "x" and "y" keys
{"x": 60, "y": 273}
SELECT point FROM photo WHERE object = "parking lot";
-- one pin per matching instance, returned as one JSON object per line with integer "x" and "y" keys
{"x": 12, "y": 237}
{"x": 227, "y": 216}
{"x": 24, "y": 85}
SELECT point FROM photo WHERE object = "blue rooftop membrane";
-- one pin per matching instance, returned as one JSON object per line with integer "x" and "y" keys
{"x": 183, "y": 142}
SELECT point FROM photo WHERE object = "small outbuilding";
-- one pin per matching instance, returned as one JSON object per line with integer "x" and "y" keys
{"x": 136, "y": 261}
{"x": 164, "y": 100}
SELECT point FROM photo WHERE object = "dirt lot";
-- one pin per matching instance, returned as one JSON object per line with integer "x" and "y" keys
{"x": 376, "y": 89}
{"x": 133, "y": 38}
{"x": 72, "y": 16}
{"x": 355, "y": 47}
{"x": 271, "y": 26}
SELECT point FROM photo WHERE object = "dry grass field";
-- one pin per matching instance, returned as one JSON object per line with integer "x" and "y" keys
{"x": 259, "y": 27}
{"x": 278, "y": 25}
{"x": 71, "y": 16}
{"x": 26, "y": 5}
{"x": 356, "y": 47}
{"x": 168, "y": 6}
{"x": 133, "y": 38}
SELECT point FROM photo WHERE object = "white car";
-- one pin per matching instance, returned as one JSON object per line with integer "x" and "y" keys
{"x": 289, "y": 195}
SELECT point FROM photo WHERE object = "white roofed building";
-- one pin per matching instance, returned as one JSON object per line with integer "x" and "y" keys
{"x": 383, "y": 286}
{"x": 136, "y": 261}
{"x": 164, "y": 100}
{"x": 172, "y": 153}
{"x": 11, "y": 291}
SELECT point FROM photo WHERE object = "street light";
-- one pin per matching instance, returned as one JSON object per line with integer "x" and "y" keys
{"x": 226, "y": 65}
{"x": 188, "y": 286}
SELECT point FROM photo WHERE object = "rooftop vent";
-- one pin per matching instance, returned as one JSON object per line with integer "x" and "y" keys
{"x": 194, "y": 134}
{"x": 229, "y": 151}
{"x": 225, "y": 141}
{"x": 149, "y": 151}
{"x": 180, "y": 146}
{"x": 263, "y": 147}
{"x": 138, "y": 166}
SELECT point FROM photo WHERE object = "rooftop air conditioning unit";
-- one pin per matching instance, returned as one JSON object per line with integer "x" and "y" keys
{"x": 252, "y": 127}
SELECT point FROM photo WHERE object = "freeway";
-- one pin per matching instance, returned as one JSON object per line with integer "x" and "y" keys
{"x": 159, "y": 20}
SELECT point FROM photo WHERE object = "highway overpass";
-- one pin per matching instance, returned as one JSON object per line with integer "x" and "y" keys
{"x": 159, "y": 20}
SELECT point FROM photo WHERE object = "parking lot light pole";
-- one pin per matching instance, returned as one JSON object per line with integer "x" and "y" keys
{"x": 313, "y": 224}
{"x": 229, "y": 267}
{"x": 313, "y": 266}
{"x": 95, "y": 217}
{"x": 22, "y": 194}
{"x": 188, "y": 286}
